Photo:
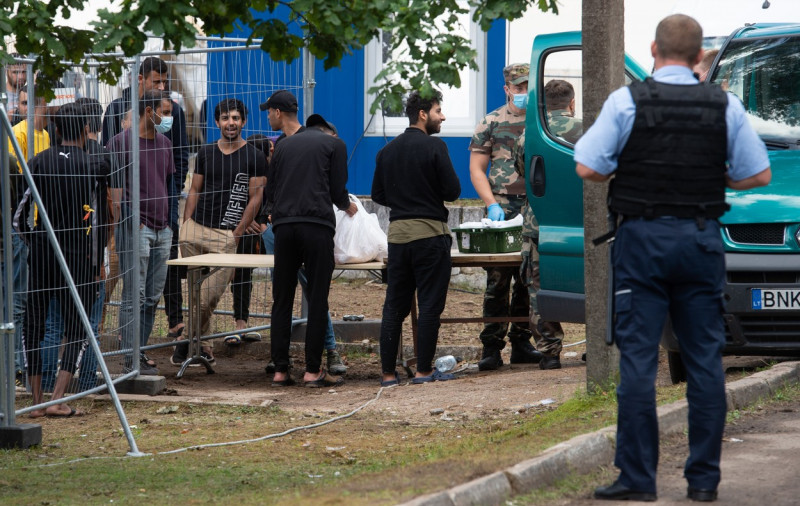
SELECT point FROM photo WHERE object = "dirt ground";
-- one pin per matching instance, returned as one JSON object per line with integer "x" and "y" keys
{"x": 239, "y": 375}
{"x": 240, "y": 378}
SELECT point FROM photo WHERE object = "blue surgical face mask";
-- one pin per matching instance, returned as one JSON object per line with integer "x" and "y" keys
{"x": 165, "y": 125}
{"x": 521, "y": 100}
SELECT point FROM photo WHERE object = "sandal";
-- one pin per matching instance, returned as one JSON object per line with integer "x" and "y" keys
{"x": 251, "y": 337}
{"x": 391, "y": 383}
{"x": 177, "y": 334}
{"x": 324, "y": 381}
{"x": 234, "y": 340}
{"x": 284, "y": 383}
{"x": 435, "y": 376}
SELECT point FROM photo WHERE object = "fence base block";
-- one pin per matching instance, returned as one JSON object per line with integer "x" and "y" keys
{"x": 22, "y": 436}
{"x": 143, "y": 385}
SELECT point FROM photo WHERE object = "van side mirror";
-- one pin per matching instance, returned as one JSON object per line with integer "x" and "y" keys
{"x": 536, "y": 175}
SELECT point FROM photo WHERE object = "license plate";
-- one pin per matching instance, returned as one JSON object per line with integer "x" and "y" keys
{"x": 772, "y": 298}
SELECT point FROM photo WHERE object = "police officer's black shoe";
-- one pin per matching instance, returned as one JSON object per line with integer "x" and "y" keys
{"x": 491, "y": 360}
{"x": 619, "y": 492}
{"x": 549, "y": 362}
{"x": 701, "y": 495}
{"x": 523, "y": 352}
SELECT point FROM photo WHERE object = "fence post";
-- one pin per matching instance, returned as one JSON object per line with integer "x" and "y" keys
{"x": 12, "y": 435}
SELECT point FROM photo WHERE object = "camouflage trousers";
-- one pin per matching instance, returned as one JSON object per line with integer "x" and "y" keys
{"x": 548, "y": 336}
{"x": 498, "y": 285}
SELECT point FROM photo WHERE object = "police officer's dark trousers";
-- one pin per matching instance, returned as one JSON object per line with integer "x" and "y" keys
{"x": 669, "y": 267}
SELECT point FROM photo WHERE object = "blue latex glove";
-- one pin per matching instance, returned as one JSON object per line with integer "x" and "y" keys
{"x": 495, "y": 212}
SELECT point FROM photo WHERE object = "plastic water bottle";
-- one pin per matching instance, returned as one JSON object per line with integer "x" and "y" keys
{"x": 445, "y": 363}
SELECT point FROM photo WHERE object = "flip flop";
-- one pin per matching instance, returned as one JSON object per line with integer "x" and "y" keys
{"x": 234, "y": 340}
{"x": 72, "y": 412}
{"x": 324, "y": 381}
{"x": 251, "y": 337}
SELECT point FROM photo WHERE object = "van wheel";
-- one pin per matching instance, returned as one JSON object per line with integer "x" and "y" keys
{"x": 677, "y": 372}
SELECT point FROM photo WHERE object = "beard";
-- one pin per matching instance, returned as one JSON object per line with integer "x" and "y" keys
{"x": 433, "y": 127}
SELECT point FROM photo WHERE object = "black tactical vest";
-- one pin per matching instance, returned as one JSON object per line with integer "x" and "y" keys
{"x": 674, "y": 161}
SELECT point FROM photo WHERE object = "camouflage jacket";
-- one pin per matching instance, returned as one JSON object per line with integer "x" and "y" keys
{"x": 495, "y": 136}
{"x": 530, "y": 227}
{"x": 562, "y": 124}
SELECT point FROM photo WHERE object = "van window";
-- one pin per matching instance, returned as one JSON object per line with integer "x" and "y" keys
{"x": 765, "y": 75}
{"x": 561, "y": 90}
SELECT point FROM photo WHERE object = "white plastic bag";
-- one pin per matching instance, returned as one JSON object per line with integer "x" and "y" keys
{"x": 358, "y": 238}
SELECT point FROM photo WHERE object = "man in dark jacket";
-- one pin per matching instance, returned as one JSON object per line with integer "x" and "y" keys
{"x": 306, "y": 177}
{"x": 414, "y": 176}
{"x": 154, "y": 75}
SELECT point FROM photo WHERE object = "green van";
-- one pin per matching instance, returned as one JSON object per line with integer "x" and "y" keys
{"x": 761, "y": 232}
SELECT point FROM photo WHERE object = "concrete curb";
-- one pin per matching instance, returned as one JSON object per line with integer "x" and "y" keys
{"x": 584, "y": 453}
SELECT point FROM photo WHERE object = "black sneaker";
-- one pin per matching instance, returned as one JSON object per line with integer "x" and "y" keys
{"x": 145, "y": 369}
{"x": 19, "y": 380}
{"x": 207, "y": 356}
{"x": 180, "y": 354}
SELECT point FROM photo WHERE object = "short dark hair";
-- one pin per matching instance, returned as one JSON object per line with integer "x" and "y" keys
{"x": 415, "y": 103}
{"x": 558, "y": 94}
{"x": 152, "y": 99}
{"x": 262, "y": 143}
{"x": 679, "y": 37}
{"x": 70, "y": 120}
{"x": 153, "y": 64}
{"x": 228, "y": 105}
{"x": 93, "y": 111}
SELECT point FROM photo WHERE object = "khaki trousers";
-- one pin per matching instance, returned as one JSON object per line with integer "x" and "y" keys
{"x": 195, "y": 239}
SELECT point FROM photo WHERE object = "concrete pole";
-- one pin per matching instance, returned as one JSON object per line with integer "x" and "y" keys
{"x": 603, "y": 59}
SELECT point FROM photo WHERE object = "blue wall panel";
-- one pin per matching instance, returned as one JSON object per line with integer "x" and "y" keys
{"x": 339, "y": 97}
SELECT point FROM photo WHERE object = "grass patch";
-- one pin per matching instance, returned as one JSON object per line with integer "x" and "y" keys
{"x": 371, "y": 458}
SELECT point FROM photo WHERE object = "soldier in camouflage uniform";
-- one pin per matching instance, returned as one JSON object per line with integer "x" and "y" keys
{"x": 503, "y": 192}
{"x": 559, "y": 99}
{"x": 547, "y": 335}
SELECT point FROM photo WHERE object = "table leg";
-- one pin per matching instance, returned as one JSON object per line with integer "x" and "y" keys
{"x": 195, "y": 278}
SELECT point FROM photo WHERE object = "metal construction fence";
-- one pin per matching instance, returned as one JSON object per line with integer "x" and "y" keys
{"x": 86, "y": 230}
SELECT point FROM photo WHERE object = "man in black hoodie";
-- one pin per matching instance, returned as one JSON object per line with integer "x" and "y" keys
{"x": 414, "y": 176}
{"x": 306, "y": 177}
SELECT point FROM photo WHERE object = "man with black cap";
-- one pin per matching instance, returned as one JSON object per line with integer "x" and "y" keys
{"x": 306, "y": 177}
{"x": 282, "y": 115}
{"x": 281, "y": 110}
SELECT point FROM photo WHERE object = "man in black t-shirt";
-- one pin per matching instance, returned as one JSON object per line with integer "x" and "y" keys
{"x": 225, "y": 196}
{"x": 67, "y": 183}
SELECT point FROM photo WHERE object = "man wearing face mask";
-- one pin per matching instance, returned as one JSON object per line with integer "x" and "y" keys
{"x": 491, "y": 168}
{"x": 154, "y": 74}
{"x": 156, "y": 166}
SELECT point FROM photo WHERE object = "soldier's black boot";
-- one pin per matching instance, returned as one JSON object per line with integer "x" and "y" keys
{"x": 550, "y": 362}
{"x": 490, "y": 360}
{"x": 523, "y": 352}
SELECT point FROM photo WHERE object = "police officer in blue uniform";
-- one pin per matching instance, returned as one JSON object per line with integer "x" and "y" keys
{"x": 674, "y": 145}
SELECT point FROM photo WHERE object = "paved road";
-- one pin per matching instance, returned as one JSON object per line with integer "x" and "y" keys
{"x": 760, "y": 462}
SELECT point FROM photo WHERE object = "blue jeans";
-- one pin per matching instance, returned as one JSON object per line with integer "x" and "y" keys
{"x": 152, "y": 255}
{"x": 20, "y": 266}
{"x": 269, "y": 248}
{"x": 54, "y": 331}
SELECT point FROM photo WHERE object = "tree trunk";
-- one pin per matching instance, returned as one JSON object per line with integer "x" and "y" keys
{"x": 604, "y": 61}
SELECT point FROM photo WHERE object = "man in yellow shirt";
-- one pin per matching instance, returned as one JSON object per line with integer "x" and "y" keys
{"x": 41, "y": 139}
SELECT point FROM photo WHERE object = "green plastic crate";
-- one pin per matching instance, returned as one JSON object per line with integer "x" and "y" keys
{"x": 489, "y": 240}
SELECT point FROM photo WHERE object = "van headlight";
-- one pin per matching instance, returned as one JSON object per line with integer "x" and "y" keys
{"x": 797, "y": 236}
